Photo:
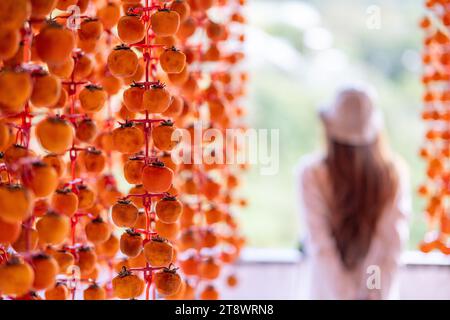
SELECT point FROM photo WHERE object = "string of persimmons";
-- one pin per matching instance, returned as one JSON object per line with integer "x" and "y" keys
{"x": 92, "y": 204}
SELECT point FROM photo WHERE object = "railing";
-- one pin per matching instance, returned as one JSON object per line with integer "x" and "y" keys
{"x": 282, "y": 274}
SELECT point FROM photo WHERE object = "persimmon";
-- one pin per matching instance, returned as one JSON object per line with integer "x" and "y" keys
{"x": 188, "y": 240}
{"x": 27, "y": 241}
{"x": 214, "y": 31}
{"x": 41, "y": 8}
{"x": 167, "y": 230}
{"x": 109, "y": 15}
{"x": 190, "y": 87}
{"x": 92, "y": 98}
{"x": 175, "y": 107}
{"x": 172, "y": 60}
{"x": 133, "y": 98}
{"x": 167, "y": 282}
{"x": 124, "y": 214}
{"x": 54, "y": 43}
{"x": 16, "y": 277}
{"x": 104, "y": 141}
{"x": 62, "y": 101}
{"x": 86, "y": 130}
{"x": 213, "y": 215}
{"x": 46, "y": 90}
{"x": 87, "y": 260}
{"x": 45, "y": 270}
{"x": 97, "y": 231}
{"x": 9, "y": 42}
{"x": 182, "y": 8}
{"x": 189, "y": 265}
{"x": 209, "y": 239}
{"x": 53, "y": 228}
{"x": 216, "y": 110}
{"x": 21, "y": 9}
{"x": 164, "y": 42}
{"x": 128, "y": 138}
{"x": 187, "y": 216}
{"x": 40, "y": 207}
{"x": 58, "y": 292}
{"x": 179, "y": 79}
{"x": 120, "y": 264}
{"x": 83, "y": 5}
{"x": 17, "y": 59}
{"x": 179, "y": 295}
{"x": 65, "y": 202}
{"x": 190, "y": 186}
{"x": 141, "y": 221}
{"x": 122, "y": 62}
{"x": 94, "y": 292}
{"x": 15, "y": 203}
{"x": 52, "y": 127}
{"x": 83, "y": 67}
{"x": 156, "y": 99}
{"x": 90, "y": 29}
{"x": 209, "y": 293}
{"x": 93, "y": 160}
{"x": 109, "y": 248}
{"x": 189, "y": 291}
{"x": 211, "y": 189}
{"x": 133, "y": 170}
{"x": 127, "y": 285}
{"x": 157, "y": 178}
{"x": 137, "y": 75}
{"x": 111, "y": 84}
{"x": 15, "y": 89}
{"x": 86, "y": 197}
{"x": 166, "y": 158}
{"x": 158, "y": 252}
{"x": 131, "y": 243}
{"x": 169, "y": 209}
{"x": 212, "y": 53}
{"x": 165, "y": 22}
{"x": 204, "y": 4}
{"x": 138, "y": 261}
{"x": 65, "y": 4}
{"x": 9, "y": 231}
{"x": 41, "y": 178}
{"x": 209, "y": 269}
{"x": 16, "y": 152}
{"x": 163, "y": 136}
{"x": 187, "y": 28}
{"x": 64, "y": 258}
{"x": 130, "y": 29}
{"x": 62, "y": 70}
{"x": 5, "y": 135}
{"x": 56, "y": 162}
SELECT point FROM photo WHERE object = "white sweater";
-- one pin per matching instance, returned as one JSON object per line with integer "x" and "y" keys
{"x": 328, "y": 277}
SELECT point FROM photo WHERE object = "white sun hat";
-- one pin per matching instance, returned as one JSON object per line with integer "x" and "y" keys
{"x": 353, "y": 118}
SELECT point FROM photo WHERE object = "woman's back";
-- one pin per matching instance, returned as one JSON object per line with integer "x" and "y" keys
{"x": 354, "y": 200}
{"x": 330, "y": 279}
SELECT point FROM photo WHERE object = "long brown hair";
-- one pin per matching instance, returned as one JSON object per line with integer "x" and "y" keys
{"x": 364, "y": 181}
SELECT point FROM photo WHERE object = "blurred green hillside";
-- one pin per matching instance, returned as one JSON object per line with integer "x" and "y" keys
{"x": 299, "y": 53}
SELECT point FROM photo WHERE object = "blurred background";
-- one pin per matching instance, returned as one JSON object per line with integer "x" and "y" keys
{"x": 300, "y": 52}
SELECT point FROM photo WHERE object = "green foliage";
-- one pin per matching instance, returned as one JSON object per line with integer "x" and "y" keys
{"x": 288, "y": 102}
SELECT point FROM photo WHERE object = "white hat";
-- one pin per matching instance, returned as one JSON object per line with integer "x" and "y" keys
{"x": 352, "y": 118}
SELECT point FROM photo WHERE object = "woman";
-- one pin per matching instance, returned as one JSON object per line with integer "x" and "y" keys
{"x": 354, "y": 201}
